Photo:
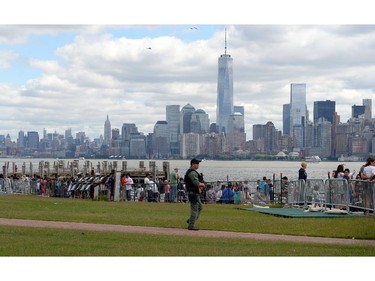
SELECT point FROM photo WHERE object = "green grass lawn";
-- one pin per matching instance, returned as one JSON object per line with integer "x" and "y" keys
{"x": 28, "y": 241}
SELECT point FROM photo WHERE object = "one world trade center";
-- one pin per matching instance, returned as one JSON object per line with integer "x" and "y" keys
{"x": 224, "y": 107}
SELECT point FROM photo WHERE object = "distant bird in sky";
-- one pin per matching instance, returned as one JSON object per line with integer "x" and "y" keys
{"x": 149, "y": 48}
{"x": 194, "y": 27}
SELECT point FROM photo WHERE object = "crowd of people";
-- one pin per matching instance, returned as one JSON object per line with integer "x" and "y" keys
{"x": 173, "y": 188}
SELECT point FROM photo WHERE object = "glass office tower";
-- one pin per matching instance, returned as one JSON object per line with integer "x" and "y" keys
{"x": 325, "y": 109}
{"x": 173, "y": 120}
{"x": 298, "y": 113}
{"x": 224, "y": 107}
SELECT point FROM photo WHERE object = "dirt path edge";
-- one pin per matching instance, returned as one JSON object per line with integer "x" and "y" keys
{"x": 182, "y": 232}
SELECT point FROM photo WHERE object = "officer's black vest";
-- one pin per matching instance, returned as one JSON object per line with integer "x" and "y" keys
{"x": 190, "y": 187}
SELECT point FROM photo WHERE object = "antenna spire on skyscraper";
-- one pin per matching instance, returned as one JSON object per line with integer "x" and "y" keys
{"x": 225, "y": 46}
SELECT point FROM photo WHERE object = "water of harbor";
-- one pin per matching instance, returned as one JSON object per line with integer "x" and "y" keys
{"x": 214, "y": 170}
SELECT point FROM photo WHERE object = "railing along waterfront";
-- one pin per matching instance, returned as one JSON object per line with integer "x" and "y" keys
{"x": 352, "y": 195}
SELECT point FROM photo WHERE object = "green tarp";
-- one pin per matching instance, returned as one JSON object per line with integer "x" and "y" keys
{"x": 298, "y": 213}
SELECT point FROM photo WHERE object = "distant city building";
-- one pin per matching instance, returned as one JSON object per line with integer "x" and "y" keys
{"x": 137, "y": 146}
{"x": 127, "y": 129}
{"x": 309, "y": 134}
{"x": 161, "y": 140}
{"x": 358, "y": 110}
{"x": 8, "y": 141}
{"x": 213, "y": 128}
{"x": 68, "y": 133}
{"x": 368, "y": 108}
{"x": 115, "y": 134}
{"x": 358, "y": 145}
{"x": 286, "y": 119}
{"x": 80, "y": 137}
{"x": 191, "y": 145}
{"x": 343, "y": 133}
{"x": 32, "y": 140}
{"x": 199, "y": 122}
{"x": 214, "y": 144}
{"x": 185, "y": 118}
{"x": 239, "y": 109}
{"x": 322, "y": 138}
{"x": 324, "y": 109}
{"x": 2, "y": 140}
{"x": 107, "y": 132}
{"x": 236, "y": 136}
{"x": 269, "y": 137}
{"x": 117, "y": 143}
{"x": 21, "y": 141}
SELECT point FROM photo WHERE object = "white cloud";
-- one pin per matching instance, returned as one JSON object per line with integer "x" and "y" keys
{"x": 6, "y": 59}
{"x": 47, "y": 66}
{"x": 21, "y": 33}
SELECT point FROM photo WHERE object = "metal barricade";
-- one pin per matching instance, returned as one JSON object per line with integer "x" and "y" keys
{"x": 4, "y": 183}
{"x": 337, "y": 193}
{"x": 315, "y": 193}
{"x": 362, "y": 195}
{"x": 296, "y": 193}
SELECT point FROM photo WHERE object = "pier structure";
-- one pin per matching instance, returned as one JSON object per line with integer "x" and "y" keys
{"x": 70, "y": 169}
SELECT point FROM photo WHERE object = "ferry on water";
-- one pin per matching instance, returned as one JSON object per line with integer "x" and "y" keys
{"x": 314, "y": 159}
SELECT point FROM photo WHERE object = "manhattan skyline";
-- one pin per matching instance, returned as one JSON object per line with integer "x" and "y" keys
{"x": 57, "y": 77}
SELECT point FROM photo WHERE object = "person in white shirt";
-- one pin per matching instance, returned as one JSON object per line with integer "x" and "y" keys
{"x": 149, "y": 188}
{"x": 129, "y": 186}
{"x": 369, "y": 169}
{"x": 140, "y": 193}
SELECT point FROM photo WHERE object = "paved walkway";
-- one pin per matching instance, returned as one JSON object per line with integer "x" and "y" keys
{"x": 182, "y": 232}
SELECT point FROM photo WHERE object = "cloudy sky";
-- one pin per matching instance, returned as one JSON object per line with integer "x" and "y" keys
{"x": 60, "y": 75}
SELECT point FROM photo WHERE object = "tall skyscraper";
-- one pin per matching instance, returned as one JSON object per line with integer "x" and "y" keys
{"x": 32, "y": 140}
{"x": 173, "y": 120}
{"x": 286, "y": 119}
{"x": 224, "y": 107}
{"x": 298, "y": 113}
{"x": 185, "y": 118}
{"x": 21, "y": 141}
{"x": 324, "y": 109}
{"x": 107, "y": 132}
